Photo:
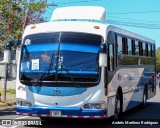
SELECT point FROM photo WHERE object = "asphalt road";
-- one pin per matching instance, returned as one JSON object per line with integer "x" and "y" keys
{"x": 150, "y": 113}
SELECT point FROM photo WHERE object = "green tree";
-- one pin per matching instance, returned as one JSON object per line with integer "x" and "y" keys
{"x": 15, "y": 15}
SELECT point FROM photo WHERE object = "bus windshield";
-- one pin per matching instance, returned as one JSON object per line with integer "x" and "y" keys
{"x": 60, "y": 56}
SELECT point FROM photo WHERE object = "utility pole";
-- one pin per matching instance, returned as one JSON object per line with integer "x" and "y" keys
{"x": 7, "y": 60}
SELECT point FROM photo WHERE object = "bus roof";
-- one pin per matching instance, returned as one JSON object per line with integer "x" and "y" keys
{"x": 126, "y": 33}
{"x": 81, "y": 26}
{"x": 78, "y": 19}
{"x": 79, "y": 12}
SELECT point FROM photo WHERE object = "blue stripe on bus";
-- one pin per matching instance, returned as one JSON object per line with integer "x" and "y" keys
{"x": 135, "y": 100}
{"x": 62, "y": 72}
{"x": 146, "y": 79}
{"x": 41, "y": 47}
{"x": 66, "y": 46}
{"x": 65, "y": 111}
{"x": 56, "y": 91}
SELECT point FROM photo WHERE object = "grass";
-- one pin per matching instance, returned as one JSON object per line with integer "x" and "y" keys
{"x": 8, "y": 91}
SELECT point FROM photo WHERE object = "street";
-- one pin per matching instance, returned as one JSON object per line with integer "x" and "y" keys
{"x": 150, "y": 113}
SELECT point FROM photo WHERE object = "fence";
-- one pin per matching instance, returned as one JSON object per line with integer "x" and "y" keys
{"x": 11, "y": 75}
{"x": 12, "y": 68}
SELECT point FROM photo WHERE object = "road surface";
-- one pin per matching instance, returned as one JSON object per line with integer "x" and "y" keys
{"x": 150, "y": 113}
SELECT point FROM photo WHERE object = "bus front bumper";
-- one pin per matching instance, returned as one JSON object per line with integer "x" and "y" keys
{"x": 61, "y": 112}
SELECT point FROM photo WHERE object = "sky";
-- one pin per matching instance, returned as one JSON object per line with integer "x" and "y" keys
{"x": 138, "y": 16}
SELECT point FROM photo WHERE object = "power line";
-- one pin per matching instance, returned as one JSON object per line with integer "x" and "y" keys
{"x": 145, "y": 24}
{"x": 137, "y": 20}
{"x": 75, "y": 2}
{"x": 131, "y": 22}
{"x": 134, "y": 12}
{"x": 50, "y": 9}
{"x": 140, "y": 25}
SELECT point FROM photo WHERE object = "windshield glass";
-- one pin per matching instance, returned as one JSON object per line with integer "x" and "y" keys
{"x": 54, "y": 57}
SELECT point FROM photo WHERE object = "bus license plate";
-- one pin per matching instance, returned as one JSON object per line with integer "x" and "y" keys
{"x": 55, "y": 113}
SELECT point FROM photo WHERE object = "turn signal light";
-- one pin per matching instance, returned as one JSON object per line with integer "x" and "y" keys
{"x": 96, "y": 27}
{"x": 33, "y": 27}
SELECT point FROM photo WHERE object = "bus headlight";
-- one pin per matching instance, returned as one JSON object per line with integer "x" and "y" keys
{"x": 100, "y": 105}
{"x": 24, "y": 103}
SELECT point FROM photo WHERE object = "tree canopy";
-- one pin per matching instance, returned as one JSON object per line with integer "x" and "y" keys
{"x": 15, "y": 15}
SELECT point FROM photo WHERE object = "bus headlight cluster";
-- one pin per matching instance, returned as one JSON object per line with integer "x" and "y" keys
{"x": 24, "y": 103}
{"x": 94, "y": 105}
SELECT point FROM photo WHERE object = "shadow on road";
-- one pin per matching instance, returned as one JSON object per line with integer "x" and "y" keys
{"x": 7, "y": 111}
{"x": 74, "y": 123}
{"x": 150, "y": 113}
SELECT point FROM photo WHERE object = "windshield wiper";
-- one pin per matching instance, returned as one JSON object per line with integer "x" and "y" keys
{"x": 47, "y": 68}
{"x": 42, "y": 77}
{"x": 51, "y": 64}
{"x": 72, "y": 78}
{"x": 57, "y": 56}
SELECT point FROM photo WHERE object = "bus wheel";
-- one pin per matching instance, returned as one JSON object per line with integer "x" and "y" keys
{"x": 117, "y": 111}
{"x": 144, "y": 102}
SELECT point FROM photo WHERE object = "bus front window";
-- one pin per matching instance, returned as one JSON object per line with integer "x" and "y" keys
{"x": 58, "y": 57}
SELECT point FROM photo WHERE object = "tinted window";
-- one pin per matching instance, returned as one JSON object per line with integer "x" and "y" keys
{"x": 149, "y": 50}
{"x": 136, "y": 48}
{"x": 153, "y": 50}
{"x": 124, "y": 46}
{"x": 140, "y": 49}
{"x": 129, "y": 46}
{"x": 119, "y": 42}
{"x": 110, "y": 58}
{"x": 144, "y": 49}
{"x": 133, "y": 47}
{"x": 58, "y": 56}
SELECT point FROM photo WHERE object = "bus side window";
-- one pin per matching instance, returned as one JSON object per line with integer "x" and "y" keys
{"x": 110, "y": 57}
{"x": 124, "y": 46}
{"x": 136, "y": 48}
{"x": 144, "y": 49}
{"x": 153, "y": 50}
{"x": 140, "y": 49}
{"x": 149, "y": 50}
{"x": 119, "y": 43}
{"x": 129, "y": 46}
{"x": 133, "y": 47}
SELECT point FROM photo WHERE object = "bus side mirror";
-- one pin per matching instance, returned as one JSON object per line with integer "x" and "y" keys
{"x": 9, "y": 44}
{"x": 103, "y": 55}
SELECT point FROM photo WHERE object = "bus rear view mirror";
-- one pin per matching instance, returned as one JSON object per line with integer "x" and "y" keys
{"x": 102, "y": 60}
{"x": 103, "y": 55}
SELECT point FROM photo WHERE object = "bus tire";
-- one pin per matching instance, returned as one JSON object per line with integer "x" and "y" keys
{"x": 118, "y": 106}
{"x": 144, "y": 101}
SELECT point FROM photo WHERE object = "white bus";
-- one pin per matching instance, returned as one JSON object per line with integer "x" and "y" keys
{"x": 76, "y": 66}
